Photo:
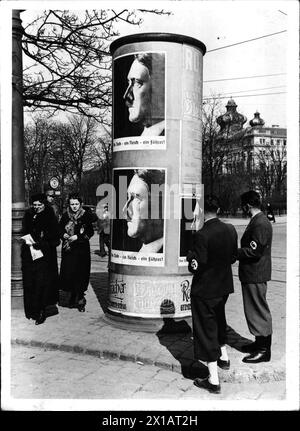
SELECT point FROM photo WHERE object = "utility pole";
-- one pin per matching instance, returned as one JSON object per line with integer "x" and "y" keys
{"x": 18, "y": 188}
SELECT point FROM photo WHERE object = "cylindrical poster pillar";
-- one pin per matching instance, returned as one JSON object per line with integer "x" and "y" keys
{"x": 157, "y": 103}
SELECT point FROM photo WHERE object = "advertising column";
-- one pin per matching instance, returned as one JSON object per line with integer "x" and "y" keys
{"x": 157, "y": 99}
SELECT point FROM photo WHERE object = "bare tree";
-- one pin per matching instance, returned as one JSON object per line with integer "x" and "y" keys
{"x": 68, "y": 60}
{"x": 82, "y": 138}
{"x": 38, "y": 140}
{"x": 270, "y": 170}
{"x": 215, "y": 149}
{"x": 60, "y": 164}
{"x": 100, "y": 162}
{"x": 102, "y": 157}
{"x": 59, "y": 149}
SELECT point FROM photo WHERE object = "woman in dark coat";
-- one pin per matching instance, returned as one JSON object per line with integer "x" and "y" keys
{"x": 39, "y": 260}
{"x": 75, "y": 230}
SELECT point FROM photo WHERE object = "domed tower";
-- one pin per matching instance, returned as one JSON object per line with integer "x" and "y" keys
{"x": 256, "y": 121}
{"x": 232, "y": 121}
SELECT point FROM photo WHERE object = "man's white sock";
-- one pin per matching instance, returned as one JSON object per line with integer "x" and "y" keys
{"x": 213, "y": 372}
{"x": 224, "y": 355}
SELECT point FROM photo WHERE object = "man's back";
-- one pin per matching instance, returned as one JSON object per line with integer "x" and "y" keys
{"x": 255, "y": 254}
{"x": 215, "y": 248}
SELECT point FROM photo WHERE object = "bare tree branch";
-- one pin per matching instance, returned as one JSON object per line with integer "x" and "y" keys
{"x": 70, "y": 62}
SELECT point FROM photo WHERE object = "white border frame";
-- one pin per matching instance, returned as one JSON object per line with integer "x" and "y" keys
{"x": 292, "y": 319}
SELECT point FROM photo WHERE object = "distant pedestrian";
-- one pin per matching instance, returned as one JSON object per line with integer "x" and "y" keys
{"x": 254, "y": 271}
{"x": 39, "y": 260}
{"x": 103, "y": 224}
{"x": 214, "y": 251}
{"x": 52, "y": 204}
{"x": 76, "y": 229}
{"x": 270, "y": 213}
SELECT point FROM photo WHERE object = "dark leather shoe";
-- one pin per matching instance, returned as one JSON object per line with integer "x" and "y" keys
{"x": 41, "y": 318}
{"x": 249, "y": 348}
{"x": 256, "y": 357}
{"x": 225, "y": 365}
{"x": 205, "y": 384}
{"x": 81, "y": 305}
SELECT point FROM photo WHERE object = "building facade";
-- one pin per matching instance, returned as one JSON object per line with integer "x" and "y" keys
{"x": 256, "y": 152}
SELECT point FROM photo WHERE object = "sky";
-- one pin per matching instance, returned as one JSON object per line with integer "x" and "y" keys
{"x": 235, "y": 71}
{"x": 218, "y": 24}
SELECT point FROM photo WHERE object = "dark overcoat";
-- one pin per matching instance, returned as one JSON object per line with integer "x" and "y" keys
{"x": 254, "y": 256}
{"x": 214, "y": 251}
{"x": 76, "y": 261}
{"x": 40, "y": 276}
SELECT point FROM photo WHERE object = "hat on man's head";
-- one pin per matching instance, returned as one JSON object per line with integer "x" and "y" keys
{"x": 41, "y": 197}
{"x": 211, "y": 203}
{"x": 251, "y": 198}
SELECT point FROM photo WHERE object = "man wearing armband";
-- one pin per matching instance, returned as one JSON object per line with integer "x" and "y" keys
{"x": 214, "y": 250}
{"x": 254, "y": 257}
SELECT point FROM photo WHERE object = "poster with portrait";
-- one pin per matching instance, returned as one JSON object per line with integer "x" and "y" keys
{"x": 139, "y": 101}
{"x": 138, "y": 224}
{"x": 191, "y": 220}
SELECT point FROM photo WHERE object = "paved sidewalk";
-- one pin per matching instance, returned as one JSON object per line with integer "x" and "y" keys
{"x": 90, "y": 333}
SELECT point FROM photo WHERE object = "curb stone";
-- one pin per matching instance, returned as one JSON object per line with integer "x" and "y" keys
{"x": 235, "y": 376}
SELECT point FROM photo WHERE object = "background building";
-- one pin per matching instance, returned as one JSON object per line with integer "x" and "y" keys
{"x": 256, "y": 156}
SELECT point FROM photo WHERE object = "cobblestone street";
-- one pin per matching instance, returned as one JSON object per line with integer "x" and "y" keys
{"x": 46, "y": 374}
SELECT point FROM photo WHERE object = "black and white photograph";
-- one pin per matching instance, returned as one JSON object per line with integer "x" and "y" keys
{"x": 149, "y": 209}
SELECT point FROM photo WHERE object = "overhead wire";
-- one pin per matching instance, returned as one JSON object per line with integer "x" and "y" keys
{"x": 246, "y": 41}
{"x": 251, "y": 76}
{"x": 244, "y": 77}
{"x": 245, "y": 95}
{"x": 253, "y": 89}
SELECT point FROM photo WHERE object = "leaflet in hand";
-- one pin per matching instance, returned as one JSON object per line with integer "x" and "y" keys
{"x": 28, "y": 239}
{"x": 35, "y": 254}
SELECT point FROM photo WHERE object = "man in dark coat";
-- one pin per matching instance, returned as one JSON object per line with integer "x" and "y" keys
{"x": 51, "y": 203}
{"x": 103, "y": 224}
{"x": 214, "y": 251}
{"x": 254, "y": 271}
